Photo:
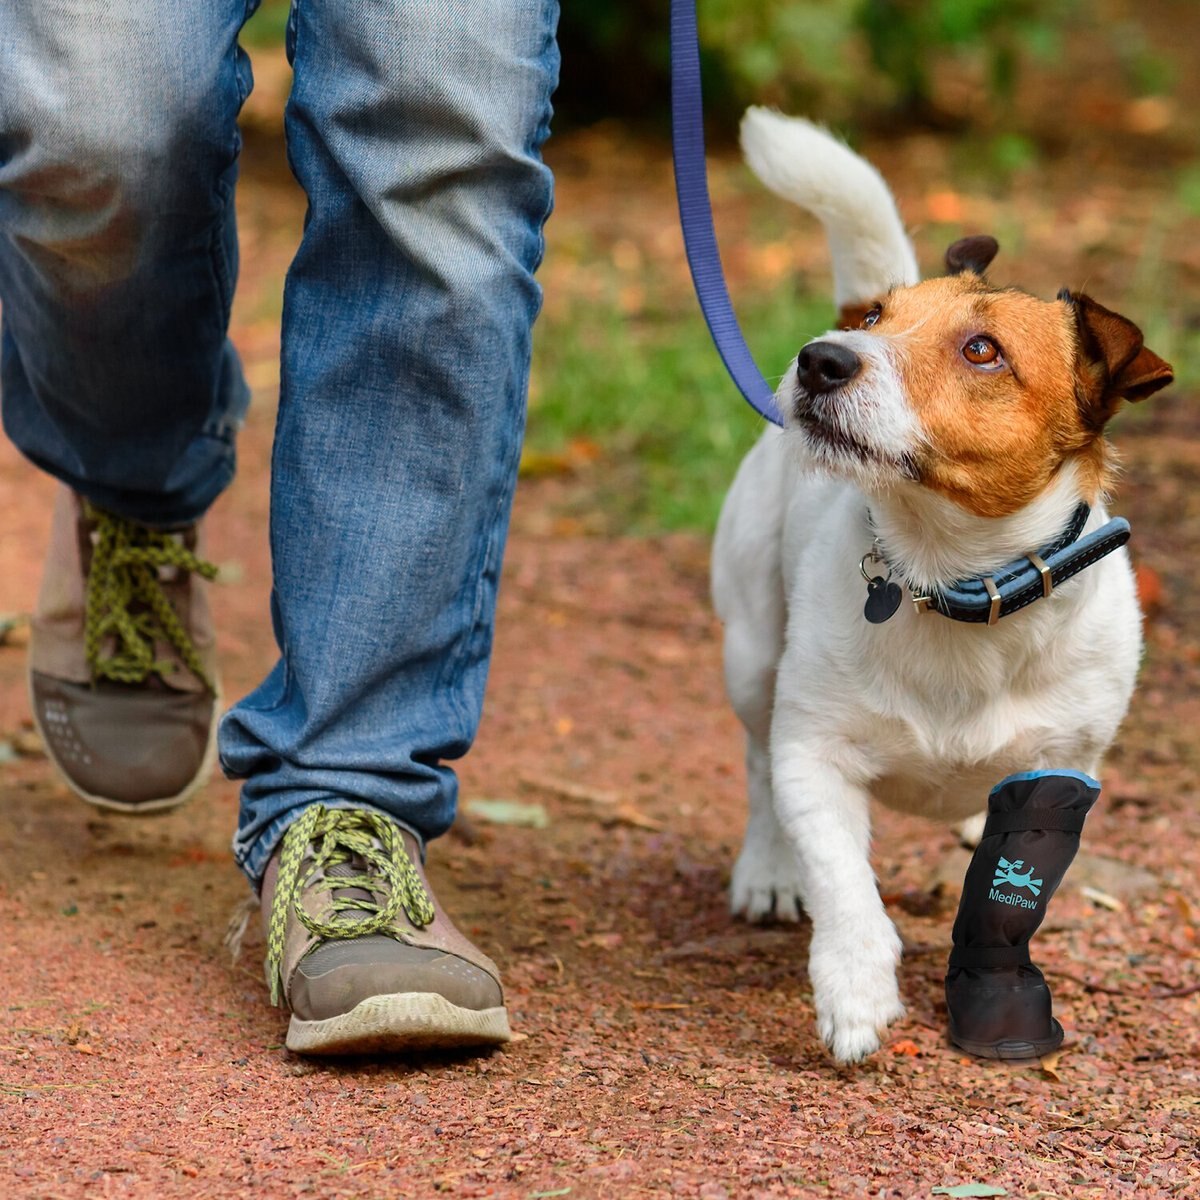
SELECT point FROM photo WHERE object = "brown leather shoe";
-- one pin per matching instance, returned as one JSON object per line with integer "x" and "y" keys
{"x": 358, "y": 949}
{"x": 122, "y": 672}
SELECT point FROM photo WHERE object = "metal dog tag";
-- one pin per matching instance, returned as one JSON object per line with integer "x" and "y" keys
{"x": 883, "y": 599}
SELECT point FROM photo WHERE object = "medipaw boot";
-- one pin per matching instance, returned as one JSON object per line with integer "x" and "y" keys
{"x": 998, "y": 1001}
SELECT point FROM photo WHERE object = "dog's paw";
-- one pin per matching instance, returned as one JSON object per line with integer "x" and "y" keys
{"x": 970, "y": 831}
{"x": 766, "y": 881}
{"x": 855, "y": 989}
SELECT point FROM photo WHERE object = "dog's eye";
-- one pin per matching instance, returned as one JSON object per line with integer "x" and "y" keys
{"x": 872, "y": 317}
{"x": 982, "y": 352}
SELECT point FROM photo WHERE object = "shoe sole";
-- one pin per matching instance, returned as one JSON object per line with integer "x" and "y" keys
{"x": 124, "y": 807}
{"x": 401, "y": 1022}
{"x": 1014, "y": 1049}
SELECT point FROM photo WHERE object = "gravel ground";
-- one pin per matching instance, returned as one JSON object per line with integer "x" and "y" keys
{"x": 662, "y": 1048}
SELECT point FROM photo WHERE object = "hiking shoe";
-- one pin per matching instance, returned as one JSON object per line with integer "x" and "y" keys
{"x": 358, "y": 949}
{"x": 121, "y": 661}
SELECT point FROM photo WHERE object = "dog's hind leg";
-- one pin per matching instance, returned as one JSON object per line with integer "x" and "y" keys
{"x": 766, "y": 877}
{"x": 749, "y": 597}
{"x": 970, "y": 831}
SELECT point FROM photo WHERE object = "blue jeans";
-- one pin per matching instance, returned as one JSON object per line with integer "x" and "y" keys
{"x": 415, "y": 128}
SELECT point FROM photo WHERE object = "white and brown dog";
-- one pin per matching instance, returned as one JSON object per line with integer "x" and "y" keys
{"x": 948, "y": 429}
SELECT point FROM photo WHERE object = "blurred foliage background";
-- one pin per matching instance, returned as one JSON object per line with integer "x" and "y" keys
{"x": 1065, "y": 127}
{"x": 846, "y": 58}
{"x": 854, "y": 61}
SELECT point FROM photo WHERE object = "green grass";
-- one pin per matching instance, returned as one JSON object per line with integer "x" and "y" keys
{"x": 654, "y": 395}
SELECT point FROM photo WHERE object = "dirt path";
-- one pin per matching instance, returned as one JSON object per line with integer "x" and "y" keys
{"x": 663, "y": 1049}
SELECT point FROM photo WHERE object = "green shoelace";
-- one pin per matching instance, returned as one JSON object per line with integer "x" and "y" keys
{"x": 374, "y": 847}
{"x": 128, "y": 612}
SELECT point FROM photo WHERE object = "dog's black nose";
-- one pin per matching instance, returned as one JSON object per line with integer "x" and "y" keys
{"x": 823, "y": 366}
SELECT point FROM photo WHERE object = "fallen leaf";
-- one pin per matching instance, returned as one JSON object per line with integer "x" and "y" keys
{"x": 905, "y": 1046}
{"x": 509, "y": 812}
{"x": 1049, "y": 1065}
{"x": 626, "y": 814}
{"x": 568, "y": 789}
{"x": 1096, "y": 896}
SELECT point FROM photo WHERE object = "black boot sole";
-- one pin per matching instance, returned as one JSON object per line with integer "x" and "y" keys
{"x": 1011, "y": 1048}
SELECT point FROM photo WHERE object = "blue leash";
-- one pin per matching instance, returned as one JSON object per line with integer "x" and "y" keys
{"x": 695, "y": 213}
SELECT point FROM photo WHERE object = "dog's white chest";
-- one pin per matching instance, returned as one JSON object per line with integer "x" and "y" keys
{"x": 928, "y": 714}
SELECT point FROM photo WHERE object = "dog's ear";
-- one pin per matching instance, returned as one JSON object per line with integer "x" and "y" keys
{"x": 1115, "y": 362}
{"x": 972, "y": 254}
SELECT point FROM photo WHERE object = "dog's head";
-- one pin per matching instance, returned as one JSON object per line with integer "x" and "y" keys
{"x": 978, "y": 393}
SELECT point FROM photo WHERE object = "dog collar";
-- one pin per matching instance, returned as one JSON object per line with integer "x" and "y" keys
{"x": 1014, "y": 586}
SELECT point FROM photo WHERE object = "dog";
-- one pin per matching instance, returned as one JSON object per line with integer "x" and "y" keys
{"x": 944, "y": 429}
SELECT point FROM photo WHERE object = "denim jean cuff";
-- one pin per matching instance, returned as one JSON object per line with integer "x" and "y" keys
{"x": 156, "y": 512}
{"x": 253, "y": 854}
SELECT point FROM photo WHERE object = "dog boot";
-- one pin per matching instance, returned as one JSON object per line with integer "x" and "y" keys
{"x": 998, "y": 1001}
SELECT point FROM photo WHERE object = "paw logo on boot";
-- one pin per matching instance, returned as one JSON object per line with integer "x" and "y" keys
{"x": 1012, "y": 874}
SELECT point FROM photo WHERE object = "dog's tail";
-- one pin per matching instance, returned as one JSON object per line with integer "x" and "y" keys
{"x": 806, "y": 164}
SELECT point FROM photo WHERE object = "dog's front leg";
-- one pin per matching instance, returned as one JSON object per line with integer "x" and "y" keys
{"x": 855, "y": 948}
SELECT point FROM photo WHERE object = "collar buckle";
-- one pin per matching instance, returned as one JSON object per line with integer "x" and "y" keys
{"x": 1044, "y": 572}
{"x": 993, "y": 593}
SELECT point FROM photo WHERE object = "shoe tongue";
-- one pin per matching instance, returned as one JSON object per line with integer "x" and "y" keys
{"x": 344, "y": 870}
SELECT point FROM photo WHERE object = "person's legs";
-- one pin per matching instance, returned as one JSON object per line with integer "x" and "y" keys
{"x": 415, "y": 130}
{"x": 118, "y": 147}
